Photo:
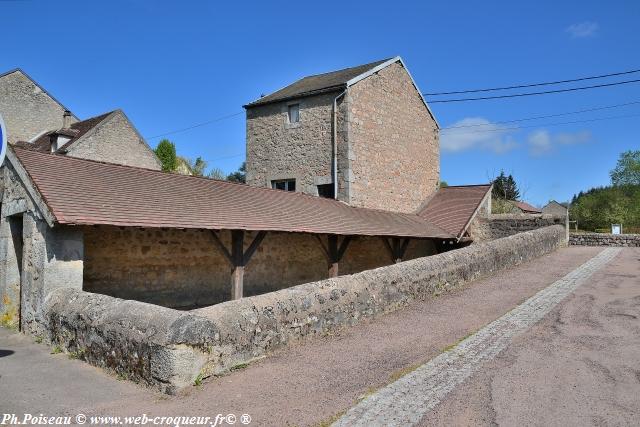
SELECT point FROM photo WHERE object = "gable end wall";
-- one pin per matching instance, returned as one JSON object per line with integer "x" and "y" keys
{"x": 27, "y": 110}
{"x": 115, "y": 140}
{"x": 393, "y": 144}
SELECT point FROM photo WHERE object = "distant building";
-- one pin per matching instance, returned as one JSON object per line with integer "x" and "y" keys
{"x": 37, "y": 121}
{"x": 556, "y": 209}
{"x": 363, "y": 135}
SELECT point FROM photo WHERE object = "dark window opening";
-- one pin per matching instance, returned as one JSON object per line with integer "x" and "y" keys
{"x": 284, "y": 184}
{"x": 327, "y": 191}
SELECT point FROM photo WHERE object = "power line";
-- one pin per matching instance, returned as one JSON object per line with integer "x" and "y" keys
{"x": 599, "y": 119}
{"x": 545, "y": 116}
{"x": 535, "y": 93}
{"x": 197, "y": 125}
{"x": 533, "y": 84}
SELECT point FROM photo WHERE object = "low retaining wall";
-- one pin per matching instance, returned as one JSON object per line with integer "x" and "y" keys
{"x": 601, "y": 239}
{"x": 498, "y": 226}
{"x": 169, "y": 349}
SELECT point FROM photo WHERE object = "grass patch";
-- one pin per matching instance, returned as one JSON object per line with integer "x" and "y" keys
{"x": 451, "y": 346}
{"x": 402, "y": 372}
{"x": 79, "y": 354}
{"x": 238, "y": 367}
{"x": 56, "y": 349}
{"x": 38, "y": 340}
{"x": 331, "y": 420}
{"x": 198, "y": 381}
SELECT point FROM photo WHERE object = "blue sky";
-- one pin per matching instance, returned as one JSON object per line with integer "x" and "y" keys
{"x": 170, "y": 65}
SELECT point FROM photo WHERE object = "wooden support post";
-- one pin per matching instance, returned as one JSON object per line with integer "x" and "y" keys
{"x": 238, "y": 257}
{"x": 334, "y": 252}
{"x": 396, "y": 248}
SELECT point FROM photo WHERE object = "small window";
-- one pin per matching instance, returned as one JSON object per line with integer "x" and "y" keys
{"x": 284, "y": 184}
{"x": 326, "y": 190}
{"x": 294, "y": 113}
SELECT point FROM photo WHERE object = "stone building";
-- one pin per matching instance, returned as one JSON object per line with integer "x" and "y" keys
{"x": 555, "y": 208}
{"x": 27, "y": 108}
{"x": 35, "y": 120}
{"x": 363, "y": 135}
{"x": 178, "y": 241}
{"x": 109, "y": 137}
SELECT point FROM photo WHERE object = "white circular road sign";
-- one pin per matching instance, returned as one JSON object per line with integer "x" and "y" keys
{"x": 3, "y": 139}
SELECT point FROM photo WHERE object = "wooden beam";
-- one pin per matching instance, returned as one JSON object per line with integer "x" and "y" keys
{"x": 389, "y": 248}
{"x": 221, "y": 246}
{"x": 343, "y": 247}
{"x": 237, "y": 255}
{"x": 402, "y": 249}
{"x": 325, "y": 251}
{"x": 253, "y": 246}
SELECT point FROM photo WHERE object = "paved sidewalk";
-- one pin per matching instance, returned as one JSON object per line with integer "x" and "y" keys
{"x": 407, "y": 400}
{"x": 303, "y": 385}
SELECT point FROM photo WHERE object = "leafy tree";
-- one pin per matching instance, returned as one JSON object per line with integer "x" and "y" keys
{"x": 240, "y": 175}
{"x": 598, "y": 208}
{"x": 443, "y": 184}
{"x": 505, "y": 187}
{"x": 217, "y": 173}
{"x": 627, "y": 171}
{"x": 198, "y": 167}
{"x": 166, "y": 152}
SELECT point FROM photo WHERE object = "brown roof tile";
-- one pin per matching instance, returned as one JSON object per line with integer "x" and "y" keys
{"x": 526, "y": 207}
{"x": 81, "y": 191}
{"x": 319, "y": 83}
{"x": 452, "y": 208}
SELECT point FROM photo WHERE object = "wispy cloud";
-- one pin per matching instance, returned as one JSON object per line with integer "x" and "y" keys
{"x": 542, "y": 142}
{"x": 476, "y": 133}
{"x": 583, "y": 29}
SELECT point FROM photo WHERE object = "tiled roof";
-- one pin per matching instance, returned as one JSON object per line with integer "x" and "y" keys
{"x": 75, "y": 132}
{"x": 452, "y": 208}
{"x": 319, "y": 83}
{"x": 79, "y": 191}
{"x": 526, "y": 207}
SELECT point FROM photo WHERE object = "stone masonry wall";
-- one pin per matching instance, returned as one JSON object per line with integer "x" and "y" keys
{"x": 50, "y": 257}
{"x": 168, "y": 349}
{"x": 601, "y": 239}
{"x": 393, "y": 141}
{"x": 184, "y": 268}
{"x": 27, "y": 110}
{"x": 497, "y": 226}
{"x": 115, "y": 140}
{"x": 279, "y": 150}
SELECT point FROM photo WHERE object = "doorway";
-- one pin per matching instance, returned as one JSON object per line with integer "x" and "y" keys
{"x": 14, "y": 264}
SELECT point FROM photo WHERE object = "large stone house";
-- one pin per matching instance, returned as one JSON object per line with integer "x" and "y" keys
{"x": 363, "y": 135}
{"x": 35, "y": 120}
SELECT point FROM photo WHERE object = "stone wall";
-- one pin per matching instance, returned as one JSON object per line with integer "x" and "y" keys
{"x": 393, "y": 141}
{"x": 601, "y": 239}
{"x": 115, "y": 140}
{"x": 27, "y": 110}
{"x": 184, "y": 268}
{"x": 34, "y": 258}
{"x": 168, "y": 349}
{"x": 302, "y": 151}
{"x": 496, "y": 226}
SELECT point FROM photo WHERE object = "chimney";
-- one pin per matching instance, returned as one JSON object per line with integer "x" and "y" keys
{"x": 66, "y": 119}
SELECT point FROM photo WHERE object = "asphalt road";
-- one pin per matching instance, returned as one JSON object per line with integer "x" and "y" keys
{"x": 577, "y": 367}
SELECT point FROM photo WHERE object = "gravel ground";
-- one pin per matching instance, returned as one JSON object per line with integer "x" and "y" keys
{"x": 303, "y": 385}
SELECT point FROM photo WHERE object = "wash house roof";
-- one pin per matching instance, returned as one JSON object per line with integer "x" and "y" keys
{"x": 85, "y": 192}
{"x": 452, "y": 208}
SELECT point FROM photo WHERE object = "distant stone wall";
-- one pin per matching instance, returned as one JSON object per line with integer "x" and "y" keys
{"x": 601, "y": 239}
{"x": 497, "y": 226}
{"x": 168, "y": 349}
{"x": 185, "y": 268}
{"x": 115, "y": 140}
{"x": 27, "y": 110}
{"x": 394, "y": 152}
